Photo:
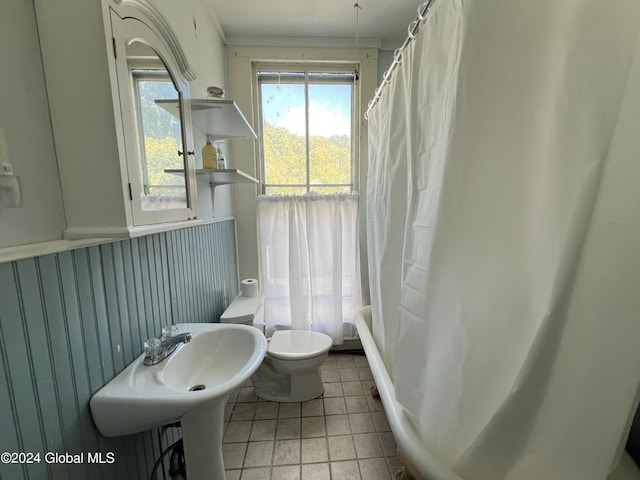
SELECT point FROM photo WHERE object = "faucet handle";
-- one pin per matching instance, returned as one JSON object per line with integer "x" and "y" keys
{"x": 152, "y": 347}
{"x": 169, "y": 331}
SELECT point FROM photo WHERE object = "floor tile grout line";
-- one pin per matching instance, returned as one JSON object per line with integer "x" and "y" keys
{"x": 370, "y": 409}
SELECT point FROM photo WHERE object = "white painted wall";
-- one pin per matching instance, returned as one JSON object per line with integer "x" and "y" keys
{"x": 385, "y": 58}
{"x": 25, "y": 117}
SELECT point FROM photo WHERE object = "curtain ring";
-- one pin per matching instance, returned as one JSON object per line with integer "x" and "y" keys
{"x": 397, "y": 56}
{"x": 413, "y": 25}
{"x": 386, "y": 78}
{"x": 422, "y": 11}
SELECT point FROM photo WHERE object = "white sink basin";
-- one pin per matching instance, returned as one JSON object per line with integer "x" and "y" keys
{"x": 219, "y": 358}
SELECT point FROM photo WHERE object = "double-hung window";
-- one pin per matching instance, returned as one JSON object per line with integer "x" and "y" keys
{"x": 308, "y": 130}
{"x": 309, "y": 243}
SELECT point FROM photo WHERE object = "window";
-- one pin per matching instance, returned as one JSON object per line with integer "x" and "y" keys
{"x": 307, "y": 130}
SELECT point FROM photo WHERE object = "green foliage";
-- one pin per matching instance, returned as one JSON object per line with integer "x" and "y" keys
{"x": 162, "y": 153}
{"x": 285, "y": 157}
{"x": 157, "y": 122}
{"x": 162, "y": 135}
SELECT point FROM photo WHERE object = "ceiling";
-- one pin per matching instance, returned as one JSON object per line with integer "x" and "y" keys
{"x": 386, "y": 20}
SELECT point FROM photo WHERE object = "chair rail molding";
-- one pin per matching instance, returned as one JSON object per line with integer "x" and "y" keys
{"x": 150, "y": 14}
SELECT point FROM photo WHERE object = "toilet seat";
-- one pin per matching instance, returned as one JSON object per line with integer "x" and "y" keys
{"x": 298, "y": 344}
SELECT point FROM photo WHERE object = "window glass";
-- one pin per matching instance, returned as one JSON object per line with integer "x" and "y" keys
{"x": 329, "y": 134}
{"x": 283, "y": 142}
{"x": 307, "y": 131}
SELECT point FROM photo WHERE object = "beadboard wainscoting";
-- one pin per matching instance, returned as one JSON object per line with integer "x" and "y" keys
{"x": 70, "y": 321}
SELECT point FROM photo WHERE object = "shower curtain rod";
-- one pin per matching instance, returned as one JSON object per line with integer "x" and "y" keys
{"x": 413, "y": 29}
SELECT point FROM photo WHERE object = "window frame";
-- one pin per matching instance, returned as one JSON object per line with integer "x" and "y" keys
{"x": 307, "y": 68}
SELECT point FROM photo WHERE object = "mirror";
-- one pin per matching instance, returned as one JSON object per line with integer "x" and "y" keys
{"x": 159, "y": 132}
{"x": 152, "y": 96}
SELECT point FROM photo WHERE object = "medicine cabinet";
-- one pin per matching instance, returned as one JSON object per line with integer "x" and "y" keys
{"x": 106, "y": 77}
{"x": 112, "y": 142}
{"x": 154, "y": 140}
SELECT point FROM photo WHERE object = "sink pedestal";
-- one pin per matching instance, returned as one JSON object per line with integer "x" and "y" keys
{"x": 202, "y": 430}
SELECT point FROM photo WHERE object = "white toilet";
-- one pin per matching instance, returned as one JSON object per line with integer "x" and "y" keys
{"x": 290, "y": 371}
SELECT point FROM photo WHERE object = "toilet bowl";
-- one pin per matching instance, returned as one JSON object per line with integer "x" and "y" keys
{"x": 290, "y": 371}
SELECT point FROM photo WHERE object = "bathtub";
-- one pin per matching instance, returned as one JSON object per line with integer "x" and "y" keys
{"x": 412, "y": 450}
{"x": 417, "y": 458}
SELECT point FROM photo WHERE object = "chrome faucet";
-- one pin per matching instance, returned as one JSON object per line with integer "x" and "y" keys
{"x": 156, "y": 349}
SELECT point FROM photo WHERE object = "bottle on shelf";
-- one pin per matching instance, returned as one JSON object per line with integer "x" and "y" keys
{"x": 222, "y": 162}
{"x": 209, "y": 155}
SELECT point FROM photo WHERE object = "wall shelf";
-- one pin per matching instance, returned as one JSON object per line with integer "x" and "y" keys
{"x": 221, "y": 119}
{"x": 220, "y": 177}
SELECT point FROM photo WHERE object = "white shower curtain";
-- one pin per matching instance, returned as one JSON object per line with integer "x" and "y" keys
{"x": 504, "y": 234}
{"x": 310, "y": 263}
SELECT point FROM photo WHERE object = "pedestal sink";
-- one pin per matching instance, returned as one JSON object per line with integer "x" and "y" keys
{"x": 191, "y": 386}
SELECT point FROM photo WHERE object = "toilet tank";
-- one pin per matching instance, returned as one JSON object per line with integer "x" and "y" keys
{"x": 245, "y": 310}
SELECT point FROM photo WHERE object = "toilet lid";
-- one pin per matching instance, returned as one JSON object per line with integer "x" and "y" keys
{"x": 292, "y": 344}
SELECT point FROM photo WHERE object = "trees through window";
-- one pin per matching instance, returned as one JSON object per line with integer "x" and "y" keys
{"x": 307, "y": 130}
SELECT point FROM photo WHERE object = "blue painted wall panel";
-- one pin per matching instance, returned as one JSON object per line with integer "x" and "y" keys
{"x": 69, "y": 322}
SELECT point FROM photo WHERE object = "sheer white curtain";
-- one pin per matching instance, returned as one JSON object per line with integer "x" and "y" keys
{"x": 310, "y": 263}
{"x": 504, "y": 234}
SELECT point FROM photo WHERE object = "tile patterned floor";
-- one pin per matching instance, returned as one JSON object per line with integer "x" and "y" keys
{"x": 342, "y": 435}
